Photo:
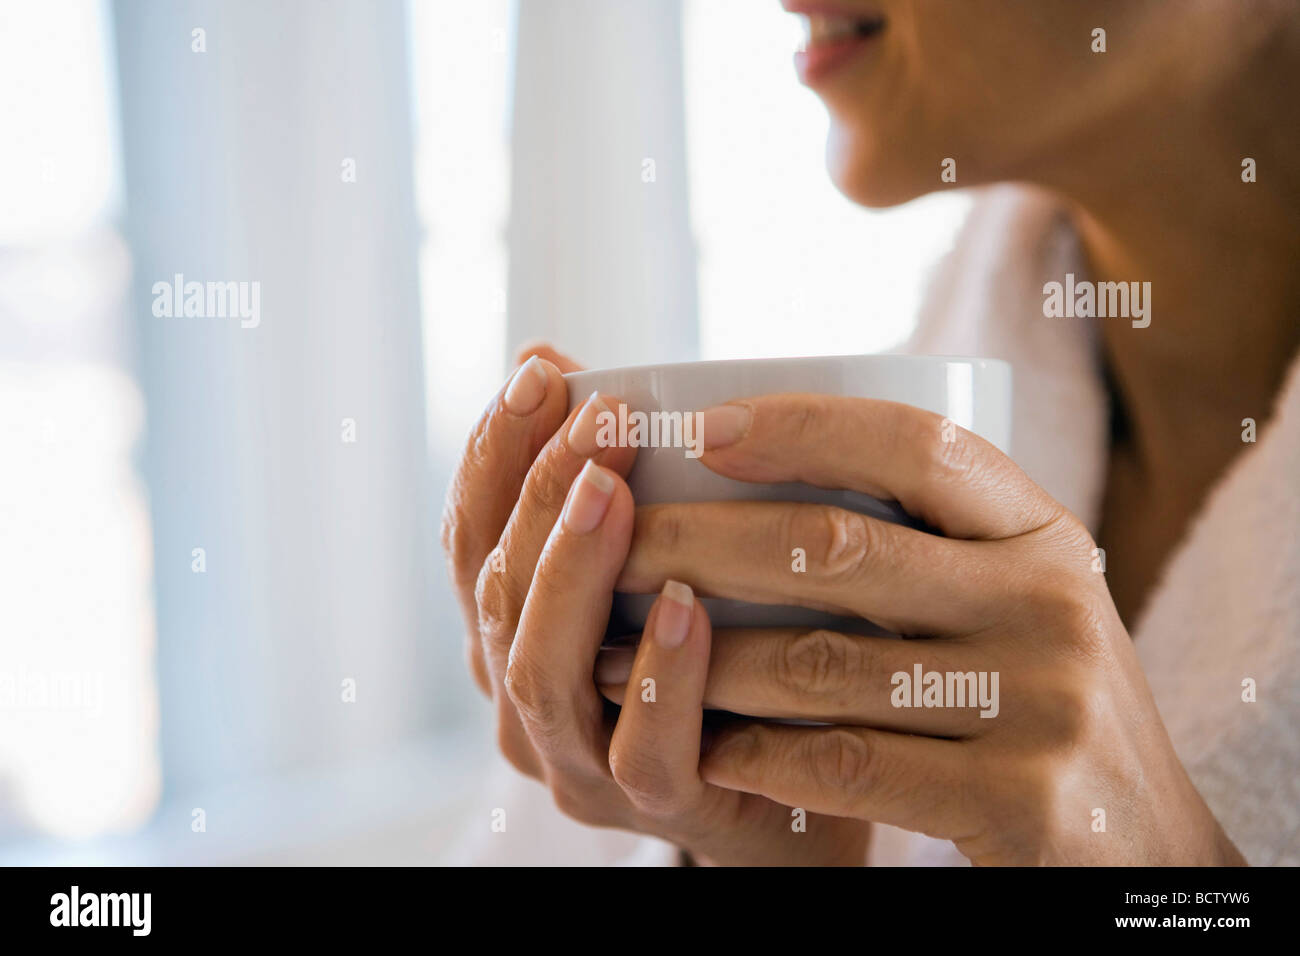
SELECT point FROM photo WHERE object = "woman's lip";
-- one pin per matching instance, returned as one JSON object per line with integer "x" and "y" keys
{"x": 818, "y": 62}
{"x": 843, "y": 7}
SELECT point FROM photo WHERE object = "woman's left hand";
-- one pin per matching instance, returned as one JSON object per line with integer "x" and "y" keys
{"x": 1067, "y": 760}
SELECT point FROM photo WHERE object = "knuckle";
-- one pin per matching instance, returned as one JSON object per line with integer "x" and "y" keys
{"x": 1065, "y": 593}
{"x": 950, "y": 457}
{"x": 805, "y": 420}
{"x": 956, "y": 460}
{"x": 660, "y": 527}
{"x": 815, "y": 663}
{"x": 532, "y": 696}
{"x": 1070, "y": 715}
{"x": 1052, "y": 599}
{"x": 457, "y": 543}
{"x": 844, "y": 762}
{"x": 1067, "y": 544}
{"x": 1074, "y": 715}
{"x": 576, "y": 804}
{"x": 1015, "y": 815}
{"x": 569, "y": 803}
{"x": 517, "y": 752}
{"x": 477, "y": 459}
{"x": 740, "y": 748}
{"x": 493, "y": 596}
{"x": 551, "y": 583}
{"x": 1048, "y": 791}
{"x": 1076, "y": 614}
{"x": 545, "y": 488}
{"x": 483, "y": 449}
{"x": 847, "y": 542}
{"x": 644, "y": 779}
{"x": 474, "y": 660}
{"x": 448, "y": 527}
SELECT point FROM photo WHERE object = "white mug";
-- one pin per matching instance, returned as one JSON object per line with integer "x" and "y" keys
{"x": 974, "y": 393}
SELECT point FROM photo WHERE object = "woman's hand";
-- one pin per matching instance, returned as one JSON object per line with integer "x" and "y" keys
{"x": 537, "y": 528}
{"x": 1066, "y": 760}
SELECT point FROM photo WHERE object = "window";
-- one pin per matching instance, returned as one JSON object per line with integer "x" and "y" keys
{"x": 787, "y": 265}
{"x": 77, "y": 698}
{"x": 462, "y": 182}
{"x": 321, "y": 550}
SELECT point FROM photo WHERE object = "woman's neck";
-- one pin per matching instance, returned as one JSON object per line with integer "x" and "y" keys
{"x": 1221, "y": 255}
{"x": 1161, "y": 199}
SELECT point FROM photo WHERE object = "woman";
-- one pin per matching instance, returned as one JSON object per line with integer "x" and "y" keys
{"x": 1132, "y": 580}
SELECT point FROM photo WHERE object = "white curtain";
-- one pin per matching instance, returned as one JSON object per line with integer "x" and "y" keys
{"x": 319, "y": 552}
{"x": 601, "y": 256}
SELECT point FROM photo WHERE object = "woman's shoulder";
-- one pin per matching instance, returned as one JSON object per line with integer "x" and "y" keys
{"x": 1220, "y": 640}
{"x": 986, "y": 299}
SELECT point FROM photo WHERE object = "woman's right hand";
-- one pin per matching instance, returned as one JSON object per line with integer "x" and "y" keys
{"x": 533, "y": 556}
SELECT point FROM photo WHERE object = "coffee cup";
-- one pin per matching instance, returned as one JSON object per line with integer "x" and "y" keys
{"x": 656, "y": 408}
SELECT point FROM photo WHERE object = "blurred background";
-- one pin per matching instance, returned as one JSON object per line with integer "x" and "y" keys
{"x": 226, "y": 635}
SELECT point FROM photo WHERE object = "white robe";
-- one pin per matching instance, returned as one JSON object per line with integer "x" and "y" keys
{"x": 1226, "y": 608}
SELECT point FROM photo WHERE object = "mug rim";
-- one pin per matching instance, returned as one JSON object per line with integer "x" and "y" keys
{"x": 978, "y": 361}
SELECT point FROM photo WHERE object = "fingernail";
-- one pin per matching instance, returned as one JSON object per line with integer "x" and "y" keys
{"x": 724, "y": 425}
{"x": 589, "y": 499}
{"x": 527, "y": 388}
{"x": 582, "y": 433}
{"x": 675, "y": 612}
{"x": 614, "y": 665}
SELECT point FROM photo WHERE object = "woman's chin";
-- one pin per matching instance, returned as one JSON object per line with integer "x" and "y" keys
{"x": 872, "y": 176}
